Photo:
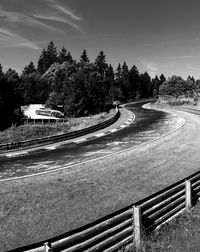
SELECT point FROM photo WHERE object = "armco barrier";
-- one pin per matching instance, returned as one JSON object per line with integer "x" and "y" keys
{"x": 189, "y": 110}
{"x": 62, "y": 137}
{"x": 126, "y": 226}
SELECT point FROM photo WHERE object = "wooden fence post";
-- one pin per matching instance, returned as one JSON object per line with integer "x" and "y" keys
{"x": 188, "y": 194}
{"x": 47, "y": 247}
{"x": 137, "y": 228}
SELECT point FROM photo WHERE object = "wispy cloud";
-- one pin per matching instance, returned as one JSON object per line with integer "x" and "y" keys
{"x": 26, "y": 20}
{"x": 57, "y": 19}
{"x": 10, "y": 39}
{"x": 179, "y": 57}
{"x": 37, "y": 12}
{"x": 149, "y": 66}
{"x": 64, "y": 10}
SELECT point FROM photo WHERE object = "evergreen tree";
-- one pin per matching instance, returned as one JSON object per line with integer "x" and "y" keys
{"x": 29, "y": 69}
{"x": 63, "y": 55}
{"x": 146, "y": 89}
{"x": 69, "y": 58}
{"x": 156, "y": 84}
{"x": 47, "y": 57}
{"x": 1, "y": 72}
{"x": 101, "y": 65}
{"x": 162, "y": 78}
{"x": 134, "y": 83}
{"x": 84, "y": 58}
{"x": 125, "y": 71}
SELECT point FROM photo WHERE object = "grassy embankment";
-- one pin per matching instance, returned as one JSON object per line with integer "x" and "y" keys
{"x": 192, "y": 102}
{"x": 181, "y": 234}
{"x": 33, "y": 131}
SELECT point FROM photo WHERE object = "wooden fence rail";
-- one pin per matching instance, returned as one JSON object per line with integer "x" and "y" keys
{"x": 127, "y": 225}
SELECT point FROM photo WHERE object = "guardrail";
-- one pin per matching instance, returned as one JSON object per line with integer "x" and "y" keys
{"x": 127, "y": 225}
{"x": 61, "y": 137}
{"x": 42, "y": 121}
{"x": 190, "y": 110}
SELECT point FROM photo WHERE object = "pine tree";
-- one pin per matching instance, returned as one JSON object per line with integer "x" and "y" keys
{"x": 1, "y": 72}
{"x": 47, "y": 57}
{"x": 101, "y": 65}
{"x": 125, "y": 71}
{"x": 42, "y": 62}
{"x": 134, "y": 83}
{"x": 62, "y": 56}
{"x": 69, "y": 58}
{"x": 30, "y": 68}
{"x": 84, "y": 58}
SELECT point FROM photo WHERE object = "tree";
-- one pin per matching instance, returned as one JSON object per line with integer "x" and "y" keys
{"x": 146, "y": 89}
{"x": 10, "y": 98}
{"x": 63, "y": 55}
{"x": 47, "y": 57}
{"x": 30, "y": 68}
{"x": 84, "y": 58}
{"x": 156, "y": 84}
{"x": 36, "y": 89}
{"x": 175, "y": 86}
{"x": 134, "y": 83}
{"x": 101, "y": 65}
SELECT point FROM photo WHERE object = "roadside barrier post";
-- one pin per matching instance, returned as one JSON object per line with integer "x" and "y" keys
{"x": 47, "y": 247}
{"x": 188, "y": 194}
{"x": 137, "y": 226}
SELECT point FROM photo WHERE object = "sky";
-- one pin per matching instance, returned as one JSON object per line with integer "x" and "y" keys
{"x": 158, "y": 36}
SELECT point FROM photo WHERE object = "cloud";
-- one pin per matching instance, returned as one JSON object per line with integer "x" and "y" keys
{"x": 64, "y": 10}
{"x": 57, "y": 19}
{"x": 10, "y": 39}
{"x": 31, "y": 13}
{"x": 26, "y": 20}
{"x": 182, "y": 57}
{"x": 149, "y": 66}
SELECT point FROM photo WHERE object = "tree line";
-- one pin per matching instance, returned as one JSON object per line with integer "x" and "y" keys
{"x": 80, "y": 87}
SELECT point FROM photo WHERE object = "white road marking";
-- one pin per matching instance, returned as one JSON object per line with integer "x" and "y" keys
{"x": 100, "y": 134}
{"x": 97, "y": 152}
{"x": 50, "y": 148}
{"x": 16, "y": 154}
{"x": 114, "y": 130}
{"x": 80, "y": 140}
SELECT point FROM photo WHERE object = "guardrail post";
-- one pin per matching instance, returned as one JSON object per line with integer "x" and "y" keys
{"x": 188, "y": 194}
{"x": 137, "y": 226}
{"x": 47, "y": 247}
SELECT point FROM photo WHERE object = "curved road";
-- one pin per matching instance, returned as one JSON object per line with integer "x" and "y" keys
{"x": 36, "y": 208}
{"x": 148, "y": 125}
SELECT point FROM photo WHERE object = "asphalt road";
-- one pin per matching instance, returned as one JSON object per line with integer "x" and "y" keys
{"x": 37, "y": 208}
{"x": 148, "y": 125}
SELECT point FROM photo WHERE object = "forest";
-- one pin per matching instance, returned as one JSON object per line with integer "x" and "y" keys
{"x": 80, "y": 87}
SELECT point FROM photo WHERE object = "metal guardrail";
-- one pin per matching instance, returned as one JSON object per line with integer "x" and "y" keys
{"x": 62, "y": 137}
{"x": 190, "y": 110}
{"x": 42, "y": 121}
{"x": 126, "y": 226}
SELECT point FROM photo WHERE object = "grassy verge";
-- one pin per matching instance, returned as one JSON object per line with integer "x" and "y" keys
{"x": 33, "y": 131}
{"x": 179, "y": 101}
{"x": 181, "y": 234}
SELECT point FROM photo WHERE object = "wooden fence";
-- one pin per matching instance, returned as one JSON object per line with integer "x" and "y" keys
{"x": 126, "y": 226}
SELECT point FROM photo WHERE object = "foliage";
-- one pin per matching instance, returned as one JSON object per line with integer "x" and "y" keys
{"x": 176, "y": 86}
{"x": 80, "y": 88}
{"x": 10, "y": 98}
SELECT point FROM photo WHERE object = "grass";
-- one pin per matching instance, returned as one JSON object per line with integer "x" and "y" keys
{"x": 179, "y": 101}
{"x": 34, "y": 131}
{"x": 34, "y": 209}
{"x": 181, "y": 234}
